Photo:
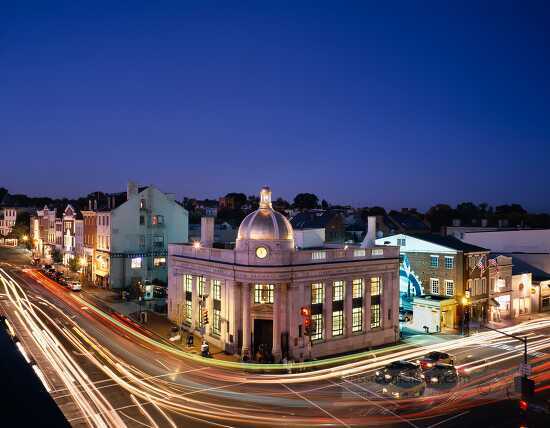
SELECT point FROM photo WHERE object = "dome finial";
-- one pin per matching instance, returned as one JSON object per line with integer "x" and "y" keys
{"x": 265, "y": 197}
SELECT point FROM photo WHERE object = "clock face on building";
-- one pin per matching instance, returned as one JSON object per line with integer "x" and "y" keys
{"x": 261, "y": 252}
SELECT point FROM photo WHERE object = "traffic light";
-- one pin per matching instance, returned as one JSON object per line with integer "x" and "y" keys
{"x": 523, "y": 405}
{"x": 204, "y": 316}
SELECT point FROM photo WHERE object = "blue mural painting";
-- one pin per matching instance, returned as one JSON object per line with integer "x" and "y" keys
{"x": 409, "y": 284}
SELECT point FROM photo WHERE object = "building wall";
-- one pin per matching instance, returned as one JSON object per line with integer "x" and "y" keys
{"x": 131, "y": 240}
{"x": 523, "y": 240}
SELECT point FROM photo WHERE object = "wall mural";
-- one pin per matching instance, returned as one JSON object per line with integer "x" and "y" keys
{"x": 409, "y": 283}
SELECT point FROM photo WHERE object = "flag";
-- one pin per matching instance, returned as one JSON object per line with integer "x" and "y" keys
{"x": 493, "y": 263}
{"x": 481, "y": 264}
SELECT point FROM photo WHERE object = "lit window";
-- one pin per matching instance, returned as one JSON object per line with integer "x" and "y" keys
{"x": 157, "y": 219}
{"x": 316, "y": 326}
{"x": 337, "y": 291}
{"x": 337, "y": 323}
{"x": 449, "y": 288}
{"x": 158, "y": 241}
{"x": 142, "y": 204}
{"x": 159, "y": 261}
{"x": 434, "y": 261}
{"x": 449, "y": 262}
{"x": 188, "y": 311}
{"x": 136, "y": 263}
{"x": 263, "y": 293}
{"x": 375, "y": 286}
{"x": 375, "y": 316}
{"x": 357, "y": 319}
{"x": 317, "y": 293}
{"x": 357, "y": 288}
{"x": 216, "y": 322}
{"x": 318, "y": 255}
{"x": 434, "y": 285}
{"x": 201, "y": 281}
{"x": 216, "y": 289}
{"x": 377, "y": 252}
{"x": 188, "y": 283}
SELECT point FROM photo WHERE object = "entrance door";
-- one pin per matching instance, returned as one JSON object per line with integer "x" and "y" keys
{"x": 263, "y": 334}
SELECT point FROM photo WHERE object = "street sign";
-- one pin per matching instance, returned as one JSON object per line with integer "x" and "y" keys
{"x": 525, "y": 369}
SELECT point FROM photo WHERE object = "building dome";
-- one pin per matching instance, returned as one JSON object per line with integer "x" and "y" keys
{"x": 265, "y": 223}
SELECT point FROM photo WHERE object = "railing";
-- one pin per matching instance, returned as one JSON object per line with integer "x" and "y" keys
{"x": 298, "y": 257}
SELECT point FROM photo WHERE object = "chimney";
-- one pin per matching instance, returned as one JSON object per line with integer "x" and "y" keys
{"x": 113, "y": 203}
{"x": 89, "y": 204}
{"x": 95, "y": 204}
{"x": 484, "y": 222}
{"x": 207, "y": 231}
{"x": 370, "y": 237}
{"x": 131, "y": 189}
{"x": 108, "y": 202}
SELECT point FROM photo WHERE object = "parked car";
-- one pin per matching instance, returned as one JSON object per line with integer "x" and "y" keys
{"x": 74, "y": 285}
{"x": 396, "y": 369}
{"x": 435, "y": 357}
{"x": 441, "y": 374}
{"x": 405, "y": 387}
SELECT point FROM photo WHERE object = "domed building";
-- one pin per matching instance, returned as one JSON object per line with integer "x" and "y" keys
{"x": 254, "y": 294}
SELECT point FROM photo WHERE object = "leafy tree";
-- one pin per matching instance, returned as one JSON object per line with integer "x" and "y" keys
{"x": 467, "y": 212}
{"x": 56, "y": 256}
{"x": 306, "y": 201}
{"x": 324, "y": 204}
{"x": 232, "y": 216}
{"x": 439, "y": 216}
{"x": 280, "y": 205}
{"x": 239, "y": 199}
{"x": 73, "y": 264}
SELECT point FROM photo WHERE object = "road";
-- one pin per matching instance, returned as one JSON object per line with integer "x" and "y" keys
{"x": 104, "y": 371}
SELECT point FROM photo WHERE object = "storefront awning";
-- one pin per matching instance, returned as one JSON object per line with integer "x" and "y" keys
{"x": 493, "y": 302}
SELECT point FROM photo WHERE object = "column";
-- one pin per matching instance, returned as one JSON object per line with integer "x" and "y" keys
{"x": 277, "y": 295}
{"x": 245, "y": 296}
{"x": 348, "y": 317}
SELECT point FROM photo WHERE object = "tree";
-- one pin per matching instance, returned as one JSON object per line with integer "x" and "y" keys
{"x": 73, "y": 264}
{"x": 306, "y": 201}
{"x": 324, "y": 205}
{"x": 439, "y": 216}
{"x": 239, "y": 199}
{"x": 56, "y": 256}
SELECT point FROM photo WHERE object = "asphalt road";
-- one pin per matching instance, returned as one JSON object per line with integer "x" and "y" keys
{"x": 104, "y": 371}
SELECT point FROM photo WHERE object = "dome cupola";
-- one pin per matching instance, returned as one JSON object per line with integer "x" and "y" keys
{"x": 265, "y": 223}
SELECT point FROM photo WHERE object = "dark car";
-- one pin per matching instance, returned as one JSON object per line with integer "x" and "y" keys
{"x": 396, "y": 369}
{"x": 441, "y": 374}
{"x": 435, "y": 357}
{"x": 404, "y": 387}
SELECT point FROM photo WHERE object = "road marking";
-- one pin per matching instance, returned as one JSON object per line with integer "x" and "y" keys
{"x": 448, "y": 419}
{"x": 316, "y": 405}
{"x": 378, "y": 396}
{"x": 162, "y": 364}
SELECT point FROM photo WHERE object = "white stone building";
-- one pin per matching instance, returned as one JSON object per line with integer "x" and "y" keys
{"x": 254, "y": 293}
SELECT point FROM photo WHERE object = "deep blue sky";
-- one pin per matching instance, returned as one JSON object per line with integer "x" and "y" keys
{"x": 402, "y": 106}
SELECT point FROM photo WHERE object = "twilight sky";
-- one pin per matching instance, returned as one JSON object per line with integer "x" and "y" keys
{"x": 402, "y": 105}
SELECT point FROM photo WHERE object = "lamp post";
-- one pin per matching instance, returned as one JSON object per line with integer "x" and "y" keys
{"x": 466, "y": 315}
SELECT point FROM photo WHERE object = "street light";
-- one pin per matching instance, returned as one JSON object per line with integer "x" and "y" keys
{"x": 25, "y": 238}
{"x": 196, "y": 244}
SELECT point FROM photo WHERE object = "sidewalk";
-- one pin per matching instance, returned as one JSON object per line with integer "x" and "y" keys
{"x": 519, "y": 320}
{"x": 158, "y": 324}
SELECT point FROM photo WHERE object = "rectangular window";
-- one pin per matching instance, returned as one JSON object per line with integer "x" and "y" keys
{"x": 216, "y": 322}
{"x": 263, "y": 293}
{"x": 159, "y": 261}
{"x": 157, "y": 219}
{"x": 317, "y": 293}
{"x": 449, "y": 262}
{"x": 142, "y": 241}
{"x": 476, "y": 287}
{"x": 375, "y": 286}
{"x": 401, "y": 242}
{"x": 357, "y": 319}
{"x": 316, "y": 326}
{"x": 449, "y": 288}
{"x": 216, "y": 289}
{"x": 136, "y": 263}
{"x": 201, "y": 282}
{"x": 484, "y": 285}
{"x": 337, "y": 323}
{"x": 375, "y": 316}
{"x": 142, "y": 204}
{"x": 359, "y": 252}
{"x": 188, "y": 311}
{"x": 357, "y": 288}
{"x": 188, "y": 283}
{"x": 337, "y": 291}
{"x": 434, "y": 261}
{"x": 434, "y": 285}
{"x": 142, "y": 219}
{"x": 318, "y": 255}
{"x": 158, "y": 241}
{"x": 377, "y": 252}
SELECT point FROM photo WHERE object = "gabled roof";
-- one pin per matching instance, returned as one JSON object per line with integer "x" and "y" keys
{"x": 449, "y": 242}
